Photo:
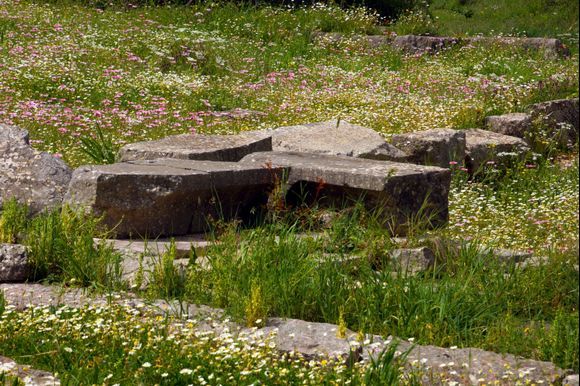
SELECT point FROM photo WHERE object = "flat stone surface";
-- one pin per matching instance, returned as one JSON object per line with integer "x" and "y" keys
{"x": 399, "y": 190}
{"x": 230, "y": 148}
{"x": 14, "y": 265}
{"x": 436, "y": 147}
{"x": 167, "y": 197}
{"x": 514, "y": 124}
{"x": 183, "y": 245}
{"x": 28, "y": 375}
{"x": 34, "y": 178}
{"x": 335, "y": 138}
{"x": 312, "y": 339}
{"x": 483, "y": 146}
{"x": 571, "y": 380}
{"x": 469, "y": 366}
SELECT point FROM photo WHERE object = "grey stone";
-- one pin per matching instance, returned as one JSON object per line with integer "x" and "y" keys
{"x": 14, "y": 266}
{"x": 167, "y": 197}
{"x": 415, "y": 43}
{"x": 553, "y": 48}
{"x": 34, "y": 178}
{"x": 561, "y": 117}
{"x": 467, "y": 366}
{"x": 514, "y": 124}
{"x": 14, "y": 135}
{"x": 229, "y": 148}
{"x": 335, "y": 138}
{"x": 400, "y": 191}
{"x": 483, "y": 147}
{"x": 436, "y": 147}
{"x": 571, "y": 380}
{"x": 413, "y": 260}
{"x": 312, "y": 339}
{"x": 183, "y": 245}
{"x": 26, "y": 374}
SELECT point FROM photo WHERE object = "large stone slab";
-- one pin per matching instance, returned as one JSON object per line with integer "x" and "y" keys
{"x": 398, "y": 190}
{"x": 34, "y": 178}
{"x": 436, "y": 147}
{"x": 14, "y": 265}
{"x": 166, "y": 197}
{"x": 483, "y": 147}
{"x": 335, "y": 138}
{"x": 228, "y": 148}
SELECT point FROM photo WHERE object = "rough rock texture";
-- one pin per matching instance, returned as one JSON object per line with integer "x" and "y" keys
{"x": 32, "y": 177}
{"x": 165, "y": 197}
{"x": 29, "y": 376}
{"x": 312, "y": 339}
{"x": 469, "y": 366}
{"x": 415, "y": 43}
{"x": 14, "y": 135}
{"x": 398, "y": 190}
{"x": 553, "y": 48}
{"x": 413, "y": 260}
{"x": 230, "y": 148}
{"x": 562, "y": 116}
{"x": 435, "y": 147}
{"x": 329, "y": 138}
{"x": 483, "y": 147}
{"x": 514, "y": 124}
{"x": 14, "y": 265}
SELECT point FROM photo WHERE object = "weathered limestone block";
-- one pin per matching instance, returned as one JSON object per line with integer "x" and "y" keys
{"x": 335, "y": 138}
{"x": 437, "y": 147}
{"x": 14, "y": 265}
{"x": 166, "y": 197}
{"x": 398, "y": 190}
{"x": 484, "y": 146}
{"x": 14, "y": 135}
{"x": 34, "y": 178}
{"x": 229, "y": 148}
{"x": 468, "y": 366}
{"x": 552, "y": 48}
{"x": 514, "y": 124}
{"x": 415, "y": 43}
{"x": 413, "y": 260}
{"x": 560, "y": 117}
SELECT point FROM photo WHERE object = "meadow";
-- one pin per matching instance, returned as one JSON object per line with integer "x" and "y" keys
{"x": 81, "y": 77}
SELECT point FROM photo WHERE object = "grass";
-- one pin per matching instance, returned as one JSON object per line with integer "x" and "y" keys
{"x": 144, "y": 73}
{"x": 97, "y": 79}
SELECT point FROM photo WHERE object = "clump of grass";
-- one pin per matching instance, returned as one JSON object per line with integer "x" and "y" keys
{"x": 12, "y": 221}
{"x": 62, "y": 248}
{"x": 99, "y": 148}
{"x": 166, "y": 280}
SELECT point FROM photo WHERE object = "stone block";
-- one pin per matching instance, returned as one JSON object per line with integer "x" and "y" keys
{"x": 437, "y": 147}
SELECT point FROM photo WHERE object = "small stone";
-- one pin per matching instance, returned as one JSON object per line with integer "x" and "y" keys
{"x": 14, "y": 266}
